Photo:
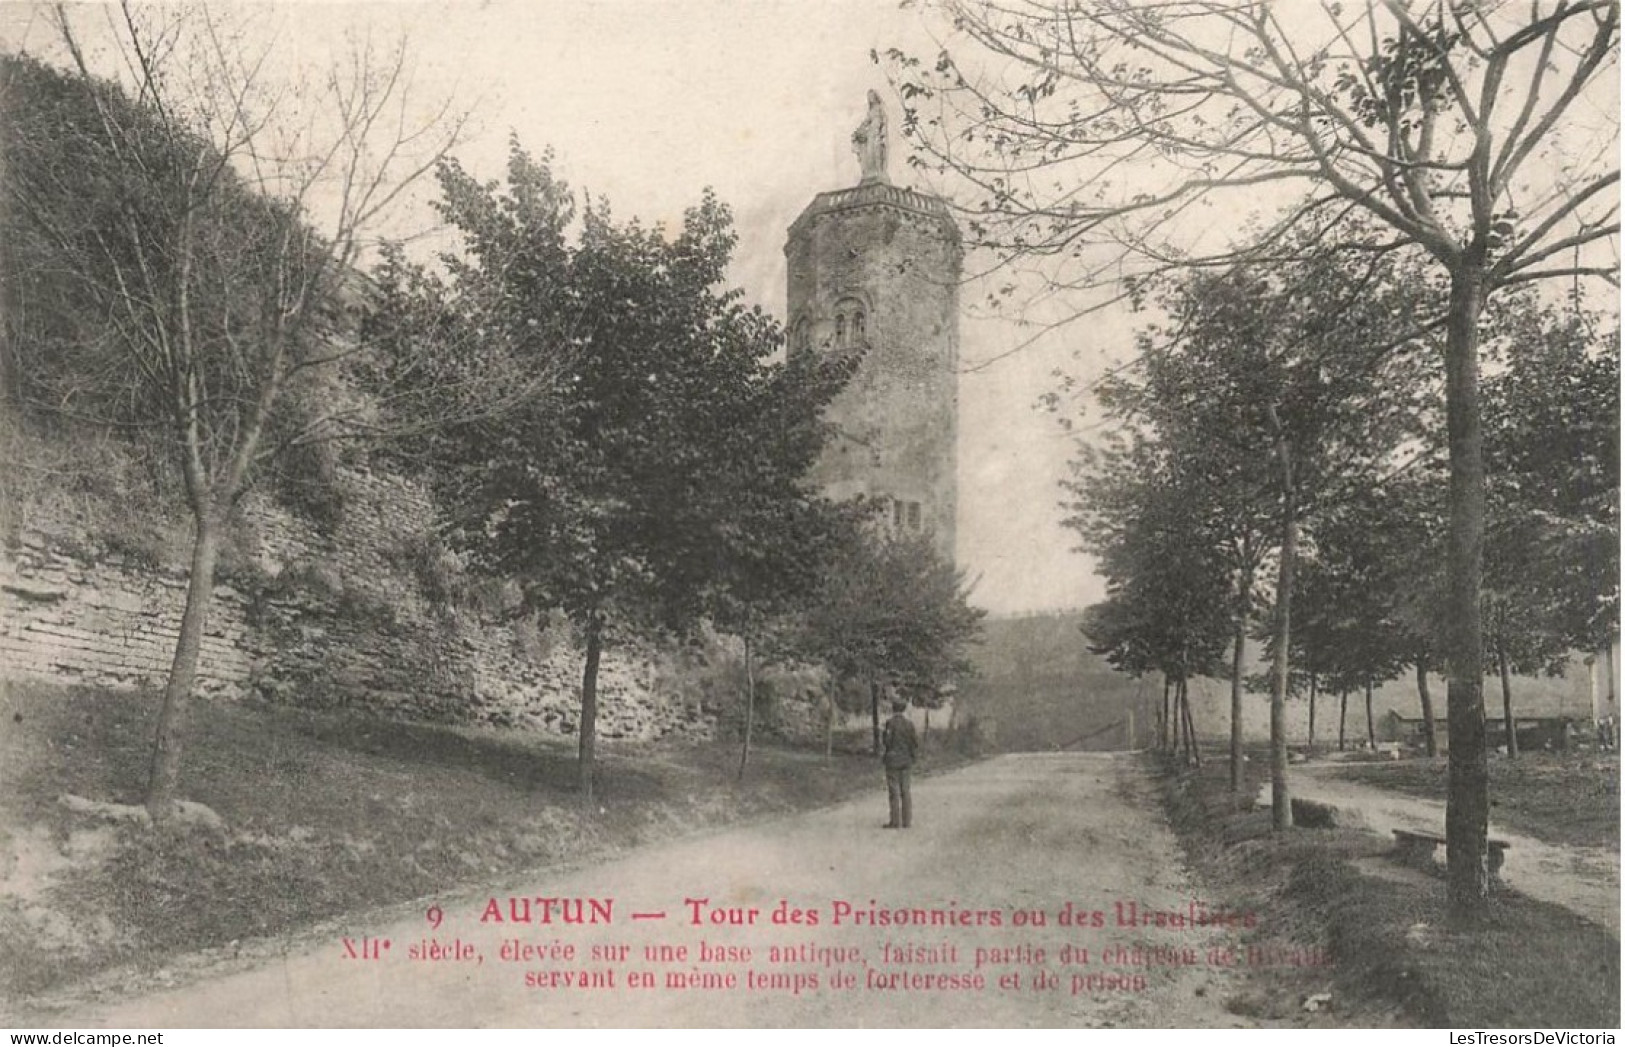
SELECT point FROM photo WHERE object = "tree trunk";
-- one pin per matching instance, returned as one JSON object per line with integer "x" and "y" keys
{"x": 163, "y": 780}
{"x": 926, "y": 732}
{"x": 1467, "y": 808}
{"x": 1370, "y": 720}
{"x": 1314, "y": 680}
{"x": 1506, "y": 704}
{"x": 1165, "y": 723}
{"x": 1280, "y": 798}
{"x": 750, "y": 710}
{"x": 587, "y": 736}
{"x": 874, "y": 713}
{"x": 1606, "y": 656}
{"x": 1430, "y": 734}
{"x": 1591, "y": 687}
{"x": 829, "y": 724}
{"x": 1608, "y": 667}
{"x": 1236, "y": 662}
{"x": 1195, "y": 751}
{"x": 1342, "y": 716}
{"x": 1182, "y": 741}
{"x": 1177, "y": 745}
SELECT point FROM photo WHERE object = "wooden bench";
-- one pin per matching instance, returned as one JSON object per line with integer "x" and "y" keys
{"x": 1416, "y": 848}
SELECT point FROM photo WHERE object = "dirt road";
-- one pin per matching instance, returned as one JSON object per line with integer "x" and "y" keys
{"x": 1012, "y": 836}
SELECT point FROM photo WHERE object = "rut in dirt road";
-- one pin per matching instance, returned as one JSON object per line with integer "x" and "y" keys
{"x": 1033, "y": 891}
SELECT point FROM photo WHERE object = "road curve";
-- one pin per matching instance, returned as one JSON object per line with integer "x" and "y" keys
{"x": 1584, "y": 880}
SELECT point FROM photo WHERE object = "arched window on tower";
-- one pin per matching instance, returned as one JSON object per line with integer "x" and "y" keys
{"x": 851, "y": 324}
{"x": 801, "y": 336}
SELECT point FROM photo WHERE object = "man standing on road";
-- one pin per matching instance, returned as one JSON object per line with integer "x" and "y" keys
{"x": 899, "y": 745}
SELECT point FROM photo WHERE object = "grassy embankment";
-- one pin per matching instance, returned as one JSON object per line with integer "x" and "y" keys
{"x": 324, "y": 815}
{"x": 1394, "y": 958}
{"x": 1560, "y": 798}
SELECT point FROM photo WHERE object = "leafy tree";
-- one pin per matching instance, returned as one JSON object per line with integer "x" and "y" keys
{"x": 1553, "y": 449}
{"x": 1415, "y": 530}
{"x": 1361, "y": 550}
{"x": 773, "y": 552}
{"x": 1314, "y": 637}
{"x": 890, "y": 609}
{"x": 1552, "y": 546}
{"x": 1086, "y": 138}
{"x": 1167, "y": 607}
{"x": 1222, "y": 489}
{"x": 195, "y": 281}
{"x": 653, "y": 471}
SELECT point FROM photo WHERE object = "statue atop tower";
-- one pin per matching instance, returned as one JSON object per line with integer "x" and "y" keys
{"x": 869, "y": 142}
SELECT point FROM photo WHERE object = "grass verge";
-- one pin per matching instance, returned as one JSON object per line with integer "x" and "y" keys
{"x": 1394, "y": 958}
{"x": 1560, "y": 798}
{"x": 324, "y": 814}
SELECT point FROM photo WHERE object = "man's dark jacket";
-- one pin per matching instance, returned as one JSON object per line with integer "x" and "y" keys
{"x": 899, "y": 745}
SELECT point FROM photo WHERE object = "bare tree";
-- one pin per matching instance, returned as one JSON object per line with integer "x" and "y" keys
{"x": 218, "y": 207}
{"x": 1090, "y": 139}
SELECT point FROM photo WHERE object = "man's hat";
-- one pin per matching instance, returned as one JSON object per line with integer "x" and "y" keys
{"x": 899, "y": 704}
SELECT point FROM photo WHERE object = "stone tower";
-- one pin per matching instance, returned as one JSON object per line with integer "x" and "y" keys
{"x": 875, "y": 269}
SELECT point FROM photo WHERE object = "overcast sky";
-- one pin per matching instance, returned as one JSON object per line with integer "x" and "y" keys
{"x": 649, "y": 102}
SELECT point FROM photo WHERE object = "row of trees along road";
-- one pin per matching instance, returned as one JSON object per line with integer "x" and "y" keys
{"x": 1273, "y": 392}
{"x": 1186, "y": 499}
{"x": 604, "y": 426}
{"x": 1086, "y": 139}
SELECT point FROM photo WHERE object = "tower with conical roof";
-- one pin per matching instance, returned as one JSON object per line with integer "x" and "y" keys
{"x": 874, "y": 269}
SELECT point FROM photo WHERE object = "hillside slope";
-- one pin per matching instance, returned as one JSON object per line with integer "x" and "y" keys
{"x": 1039, "y": 688}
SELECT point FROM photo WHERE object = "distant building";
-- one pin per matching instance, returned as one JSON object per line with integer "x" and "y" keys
{"x": 875, "y": 269}
{"x": 1534, "y": 732}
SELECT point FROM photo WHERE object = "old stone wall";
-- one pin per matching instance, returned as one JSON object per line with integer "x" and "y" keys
{"x": 69, "y": 618}
{"x": 370, "y": 613}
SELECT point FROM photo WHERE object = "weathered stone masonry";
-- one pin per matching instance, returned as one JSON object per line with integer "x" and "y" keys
{"x": 326, "y": 620}
{"x": 108, "y": 623}
{"x": 876, "y": 268}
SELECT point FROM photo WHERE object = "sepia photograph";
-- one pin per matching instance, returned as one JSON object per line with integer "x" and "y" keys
{"x": 809, "y": 514}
